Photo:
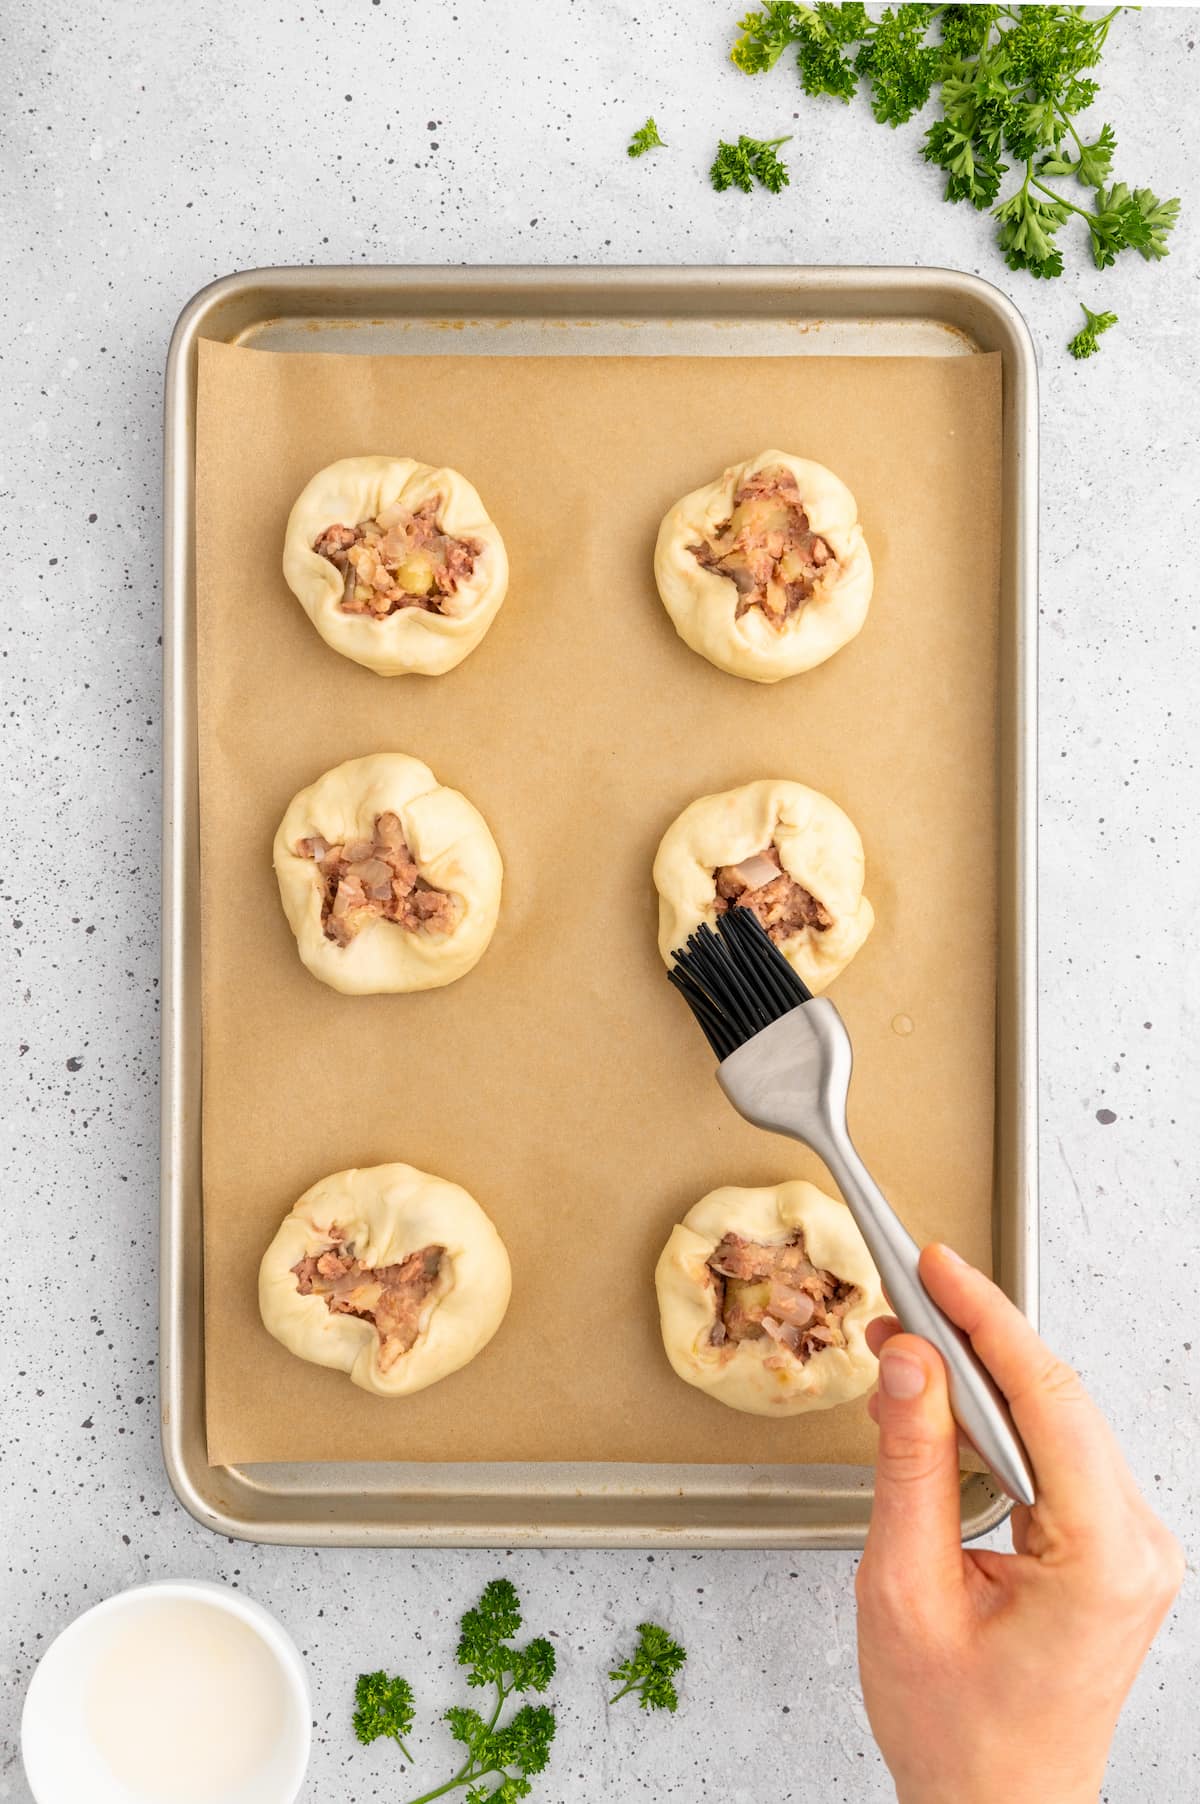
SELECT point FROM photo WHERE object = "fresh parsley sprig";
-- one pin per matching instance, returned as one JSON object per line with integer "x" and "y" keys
{"x": 650, "y": 1669}
{"x": 383, "y": 1707}
{"x": 1012, "y": 82}
{"x": 740, "y": 165}
{"x": 510, "y": 1752}
{"x": 1084, "y": 343}
{"x": 501, "y": 1757}
{"x": 645, "y": 138}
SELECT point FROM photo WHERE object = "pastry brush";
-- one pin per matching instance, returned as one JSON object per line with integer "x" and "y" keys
{"x": 785, "y": 1061}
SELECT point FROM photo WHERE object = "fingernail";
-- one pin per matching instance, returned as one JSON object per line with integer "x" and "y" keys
{"x": 901, "y": 1377}
{"x": 949, "y": 1253}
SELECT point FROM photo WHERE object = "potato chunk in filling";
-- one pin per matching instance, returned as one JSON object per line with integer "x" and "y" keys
{"x": 398, "y": 560}
{"x": 783, "y": 906}
{"x": 392, "y": 1297}
{"x": 376, "y": 879}
{"x": 775, "y": 1291}
{"x": 767, "y": 549}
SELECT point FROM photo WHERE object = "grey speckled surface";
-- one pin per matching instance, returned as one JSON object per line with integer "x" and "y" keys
{"x": 143, "y": 159}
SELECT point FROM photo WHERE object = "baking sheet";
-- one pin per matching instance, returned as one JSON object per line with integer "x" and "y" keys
{"x": 562, "y": 1082}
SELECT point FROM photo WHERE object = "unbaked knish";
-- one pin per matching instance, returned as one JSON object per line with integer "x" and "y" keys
{"x": 390, "y": 881}
{"x": 390, "y": 1274}
{"x": 776, "y": 847}
{"x": 764, "y": 1298}
{"x": 397, "y": 564}
{"x": 766, "y": 572}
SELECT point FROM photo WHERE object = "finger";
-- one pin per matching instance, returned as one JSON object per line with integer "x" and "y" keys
{"x": 1002, "y": 1570}
{"x": 880, "y": 1331}
{"x": 1074, "y": 1454}
{"x": 914, "y": 1541}
{"x": 964, "y": 1445}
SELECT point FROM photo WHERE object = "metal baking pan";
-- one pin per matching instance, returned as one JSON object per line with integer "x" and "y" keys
{"x": 552, "y": 311}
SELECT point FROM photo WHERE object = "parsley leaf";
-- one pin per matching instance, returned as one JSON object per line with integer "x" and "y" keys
{"x": 383, "y": 1707}
{"x": 487, "y": 1629}
{"x": 1084, "y": 342}
{"x": 899, "y": 66}
{"x": 523, "y": 1742}
{"x": 966, "y": 29}
{"x": 973, "y": 171}
{"x": 1137, "y": 221}
{"x": 1026, "y": 235}
{"x": 650, "y": 1668}
{"x": 645, "y": 138}
{"x": 825, "y": 31}
{"x": 819, "y": 33}
{"x": 766, "y": 35}
{"x": 740, "y": 165}
{"x": 1092, "y": 166}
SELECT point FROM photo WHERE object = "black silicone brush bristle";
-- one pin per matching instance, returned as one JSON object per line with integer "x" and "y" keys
{"x": 735, "y": 981}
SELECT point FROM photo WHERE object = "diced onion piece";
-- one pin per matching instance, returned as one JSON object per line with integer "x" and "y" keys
{"x": 794, "y": 1306}
{"x": 782, "y": 1332}
{"x": 755, "y": 871}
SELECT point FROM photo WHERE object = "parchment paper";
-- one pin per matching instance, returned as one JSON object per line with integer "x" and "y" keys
{"x": 562, "y": 1082}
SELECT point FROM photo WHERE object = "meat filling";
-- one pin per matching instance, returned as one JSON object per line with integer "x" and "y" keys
{"x": 376, "y": 879}
{"x": 783, "y": 906}
{"x": 398, "y": 560}
{"x": 776, "y": 1291}
{"x": 767, "y": 548}
{"x": 392, "y": 1297}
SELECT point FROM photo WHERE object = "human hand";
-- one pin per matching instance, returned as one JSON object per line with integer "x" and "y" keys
{"x": 991, "y": 1676}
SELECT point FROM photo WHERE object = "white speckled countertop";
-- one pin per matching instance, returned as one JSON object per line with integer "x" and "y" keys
{"x": 150, "y": 150}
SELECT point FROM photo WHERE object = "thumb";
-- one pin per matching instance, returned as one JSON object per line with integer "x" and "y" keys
{"x": 915, "y": 1540}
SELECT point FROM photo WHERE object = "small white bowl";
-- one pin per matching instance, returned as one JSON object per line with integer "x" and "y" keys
{"x": 63, "y": 1762}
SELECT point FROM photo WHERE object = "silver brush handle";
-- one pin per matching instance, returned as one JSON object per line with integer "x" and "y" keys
{"x": 978, "y": 1406}
{"x": 793, "y": 1077}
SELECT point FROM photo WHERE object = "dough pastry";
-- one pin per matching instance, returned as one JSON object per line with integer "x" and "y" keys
{"x": 392, "y": 1275}
{"x": 410, "y": 572}
{"x": 388, "y": 880}
{"x": 765, "y": 572}
{"x": 779, "y": 848}
{"x": 764, "y": 1297}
